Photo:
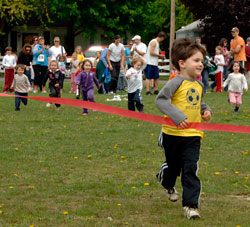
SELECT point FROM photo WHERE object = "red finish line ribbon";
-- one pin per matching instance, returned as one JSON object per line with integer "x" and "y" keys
{"x": 136, "y": 115}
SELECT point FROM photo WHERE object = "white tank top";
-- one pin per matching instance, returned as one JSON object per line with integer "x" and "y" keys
{"x": 152, "y": 60}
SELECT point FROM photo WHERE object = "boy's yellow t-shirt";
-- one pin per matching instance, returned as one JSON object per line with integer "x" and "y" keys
{"x": 181, "y": 99}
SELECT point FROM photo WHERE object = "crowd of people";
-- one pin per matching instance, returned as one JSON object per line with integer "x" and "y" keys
{"x": 114, "y": 62}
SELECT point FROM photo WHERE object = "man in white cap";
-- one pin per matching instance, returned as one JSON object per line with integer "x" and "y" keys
{"x": 138, "y": 48}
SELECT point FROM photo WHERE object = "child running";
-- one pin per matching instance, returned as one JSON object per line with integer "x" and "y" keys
{"x": 236, "y": 82}
{"x": 9, "y": 63}
{"x": 73, "y": 66}
{"x": 86, "y": 80}
{"x": 21, "y": 86}
{"x": 134, "y": 79}
{"x": 55, "y": 77}
{"x": 181, "y": 100}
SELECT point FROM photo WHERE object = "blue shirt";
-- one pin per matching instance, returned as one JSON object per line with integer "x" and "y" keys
{"x": 103, "y": 56}
{"x": 42, "y": 58}
{"x": 127, "y": 53}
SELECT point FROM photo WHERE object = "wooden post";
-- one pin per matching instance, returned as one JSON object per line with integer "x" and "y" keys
{"x": 172, "y": 32}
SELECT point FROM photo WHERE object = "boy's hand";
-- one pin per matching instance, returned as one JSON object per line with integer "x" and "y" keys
{"x": 29, "y": 90}
{"x": 128, "y": 76}
{"x": 184, "y": 124}
{"x": 245, "y": 89}
{"x": 206, "y": 115}
{"x": 57, "y": 85}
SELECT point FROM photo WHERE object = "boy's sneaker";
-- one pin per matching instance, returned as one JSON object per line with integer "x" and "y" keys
{"x": 148, "y": 93}
{"x": 172, "y": 194}
{"x": 191, "y": 213}
{"x": 34, "y": 91}
{"x": 156, "y": 92}
{"x": 44, "y": 91}
{"x": 48, "y": 104}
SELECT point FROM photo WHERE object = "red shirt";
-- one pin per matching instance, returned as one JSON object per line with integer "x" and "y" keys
{"x": 247, "y": 49}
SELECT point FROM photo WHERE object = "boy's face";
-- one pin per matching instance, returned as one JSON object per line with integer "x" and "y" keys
{"x": 8, "y": 52}
{"x": 192, "y": 66}
{"x": 20, "y": 71}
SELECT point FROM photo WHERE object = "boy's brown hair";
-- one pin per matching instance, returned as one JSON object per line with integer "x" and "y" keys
{"x": 22, "y": 66}
{"x": 184, "y": 48}
{"x": 135, "y": 60}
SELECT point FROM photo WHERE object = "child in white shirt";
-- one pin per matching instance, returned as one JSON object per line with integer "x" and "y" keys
{"x": 236, "y": 82}
{"x": 134, "y": 80}
{"x": 9, "y": 63}
{"x": 220, "y": 62}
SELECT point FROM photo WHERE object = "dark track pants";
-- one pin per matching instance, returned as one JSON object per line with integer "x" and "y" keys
{"x": 182, "y": 155}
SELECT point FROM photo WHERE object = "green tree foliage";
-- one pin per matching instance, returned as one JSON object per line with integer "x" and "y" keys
{"x": 17, "y": 12}
{"x": 145, "y": 17}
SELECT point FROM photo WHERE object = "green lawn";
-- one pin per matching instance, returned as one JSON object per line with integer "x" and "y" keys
{"x": 62, "y": 169}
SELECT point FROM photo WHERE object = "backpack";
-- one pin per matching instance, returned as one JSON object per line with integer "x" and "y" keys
{"x": 107, "y": 76}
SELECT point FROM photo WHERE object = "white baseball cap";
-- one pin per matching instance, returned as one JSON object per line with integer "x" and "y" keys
{"x": 136, "y": 37}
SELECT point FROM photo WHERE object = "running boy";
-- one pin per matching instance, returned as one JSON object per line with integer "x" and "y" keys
{"x": 21, "y": 86}
{"x": 181, "y": 100}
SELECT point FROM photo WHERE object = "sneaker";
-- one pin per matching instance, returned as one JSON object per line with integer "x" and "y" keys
{"x": 57, "y": 108}
{"x": 156, "y": 92}
{"x": 77, "y": 97}
{"x": 191, "y": 213}
{"x": 17, "y": 109}
{"x": 148, "y": 93}
{"x": 172, "y": 194}
{"x": 44, "y": 91}
{"x": 48, "y": 104}
{"x": 34, "y": 91}
{"x": 85, "y": 114}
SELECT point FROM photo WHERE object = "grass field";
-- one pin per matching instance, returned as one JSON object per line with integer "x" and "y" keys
{"x": 62, "y": 169}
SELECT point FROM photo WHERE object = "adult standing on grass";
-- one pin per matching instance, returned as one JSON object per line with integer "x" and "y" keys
{"x": 115, "y": 59}
{"x": 226, "y": 55}
{"x": 25, "y": 57}
{"x": 41, "y": 54}
{"x": 152, "y": 70}
{"x": 57, "y": 49}
{"x": 237, "y": 47}
{"x": 247, "y": 74}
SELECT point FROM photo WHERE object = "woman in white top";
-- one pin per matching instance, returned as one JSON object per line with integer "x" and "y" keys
{"x": 57, "y": 49}
{"x": 115, "y": 59}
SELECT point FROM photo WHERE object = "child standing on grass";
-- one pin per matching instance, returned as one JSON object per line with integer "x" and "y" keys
{"x": 86, "y": 80}
{"x": 21, "y": 86}
{"x": 220, "y": 62}
{"x": 73, "y": 68}
{"x": 181, "y": 100}
{"x": 9, "y": 63}
{"x": 55, "y": 77}
{"x": 134, "y": 79}
{"x": 236, "y": 82}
